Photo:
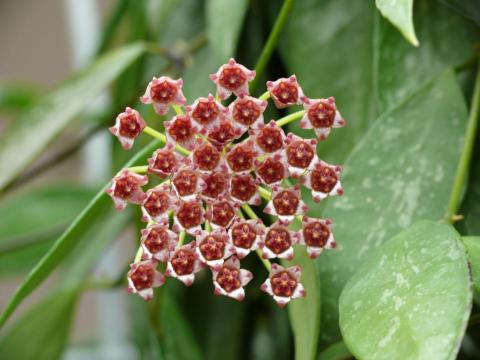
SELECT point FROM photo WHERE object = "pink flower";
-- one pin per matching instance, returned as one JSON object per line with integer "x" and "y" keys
{"x": 286, "y": 203}
{"x": 272, "y": 170}
{"x": 213, "y": 247}
{"x": 162, "y": 92}
{"x": 157, "y": 203}
{"x": 278, "y": 241}
{"x": 300, "y": 154}
{"x": 221, "y": 212}
{"x": 189, "y": 216}
{"x": 181, "y": 130}
{"x": 317, "y": 235}
{"x": 244, "y": 190}
{"x": 284, "y": 284}
{"x": 285, "y": 92}
{"x": 206, "y": 157}
{"x": 245, "y": 236}
{"x": 158, "y": 241}
{"x": 240, "y": 158}
{"x": 128, "y": 125}
{"x": 232, "y": 77}
{"x": 269, "y": 138}
{"x": 143, "y": 277}
{"x": 223, "y": 133}
{"x": 214, "y": 185}
{"x": 165, "y": 161}
{"x": 321, "y": 115}
{"x": 247, "y": 111}
{"x": 323, "y": 179}
{"x": 126, "y": 187}
{"x": 206, "y": 111}
{"x": 229, "y": 279}
{"x": 187, "y": 183}
{"x": 184, "y": 264}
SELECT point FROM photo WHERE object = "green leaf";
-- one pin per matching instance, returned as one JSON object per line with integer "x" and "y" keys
{"x": 472, "y": 244}
{"x": 411, "y": 299}
{"x": 34, "y": 131}
{"x": 401, "y": 172}
{"x": 17, "y": 97}
{"x": 336, "y": 351}
{"x": 224, "y": 23}
{"x": 400, "y": 14}
{"x": 468, "y": 8}
{"x": 96, "y": 211}
{"x": 23, "y": 258}
{"x": 42, "y": 332}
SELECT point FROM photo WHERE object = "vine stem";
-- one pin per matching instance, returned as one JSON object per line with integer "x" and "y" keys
{"x": 290, "y": 118}
{"x": 158, "y": 135}
{"x": 467, "y": 151}
{"x": 271, "y": 41}
{"x": 251, "y": 214}
{"x": 139, "y": 169}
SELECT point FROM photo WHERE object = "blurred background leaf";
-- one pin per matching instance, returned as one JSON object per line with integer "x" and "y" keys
{"x": 400, "y": 14}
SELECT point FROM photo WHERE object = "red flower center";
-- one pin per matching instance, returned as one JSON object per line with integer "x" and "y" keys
{"x": 212, "y": 247}
{"x": 157, "y": 203}
{"x": 316, "y": 234}
{"x": 214, "y": 184}
{"x": 323, "y": 180}
{"x": 270, "y": 139}
{"x": 224, "y": 133}
{"x": 206, "y": 157}
{"x": 181, "y": 129}
{"x": 283, "y": 284}
{"x": 299, "y": 154}
{"x": 157, "y": 240}
{"x": 229, "y": 279}
{"x": 286, "y": 92}
{"x": 271, "y": 171}
{"x": 232, "y": 78}
{"x": 278, "y": 240}
{"x": 205, "y": 111}
{"x": 165, "y": 161}
{"x": 222, "y": 213}
{"x": 321, "y": 115}
{"x": 243, "y": 187}
{"x": 129, "y": 126}
{"x": 190, "y": 214}
{"x": 243, "y": 235}
{"x": 245, "y": 111}
{"x": 125, "y": 187}
{"x": 163, "y": 92}
{"x": 142, "y": 277}
{"x": 286, "y": 203}
{"x": 183, "y": 262}
{"x": 240, "y": 158}
{"x": 185, "y": 182}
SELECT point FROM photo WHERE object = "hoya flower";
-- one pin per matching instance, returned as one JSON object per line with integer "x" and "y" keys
{"x": 317, "y": 235}
{"x": 162, "y": 92}
{"x": 213, "y": 247}
{"x": 243, "y": 189}
{"x": 206, "y": 157}
{"x": 284, "y": 284}
{"x": 223, "y": 133}
{"x": 128, "y": 125}
{"x": 286, "y": 203}
{"x": 157, "y": 203}
{"x": 187, "y": 182}
{"x": 229, "y": 279}
{"x": 158, "y": 241}
{"x": 221, "y": 213}
{"x": 184, "y": 264}
{"x": 240, "y": 158}
{"x": 321, "y": 115}
{"x": 143, "y": 277}
{"x": 165, "y": 161}
{"x": 268, "y": 138}
{"x": 278, "y": 241}
{"x": 232, "y": 78}
{"x": 214, "y": 184}
{"x": 272, "y": 170}
{"x": 323, "y": 179}
{"x": 285, "y": 92}
{"x": 245, "y": 236}
{"x": 206, "y": 111}
{"x": 247, "y": 111}
{"x": 127, "y": 187}
{"x": 181, "y": 130}
{"x": 189, "y": 216}
{"x": 300, "y": 154}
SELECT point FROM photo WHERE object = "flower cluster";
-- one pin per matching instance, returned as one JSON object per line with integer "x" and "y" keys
{"x": 217, "y": 160}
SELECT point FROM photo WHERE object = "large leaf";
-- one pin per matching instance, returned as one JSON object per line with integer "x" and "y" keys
{"x": 224, "y": 22}
{"x": 95, "y": 212}
{"x": 411, "y": 299}
{"x": 472, "y": 244}
{"x": 401, "y": 172}
{"x": 17, "y": 97}
{"x": 41, "y": 333}
{"x": 400, "y": 14}
{"x": 336, "y": 351}
{"x": 468, "y": 8}
{"x": 23, "y": 258}
{"x": 32, "y": 133}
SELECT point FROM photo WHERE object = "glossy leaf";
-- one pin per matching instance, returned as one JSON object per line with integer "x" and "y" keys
{"x": 411, "y": 299}
{"x": 400, "y": 173}
{"x": 472, "y": 244}
{"x": 468, "y": 8}
{"x": 42, "y": 332}
{"x": 95, "y": 211}
{"x": 224, "y": 23}
{"x": 336, "y": 351}
{"x": 33, "y": 132}
{"x": 400, "y": 14}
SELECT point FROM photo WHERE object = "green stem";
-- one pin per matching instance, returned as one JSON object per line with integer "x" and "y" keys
{"x": 466, "y": 155}
{"x": 178, "y": 109}
{"x": 138, "y": 255}
{"x": 271, "y": 42}
{"x": 181, "y": 237}
{"x": 158, "y": 135}
{"x": 208, "y": 227}
{"x": 251, "y": 214}
{"x": 290, "y": 118}
{"x": 264, "y": 193}
{"x": 265, "y": 95}
{"x": 139, "y": 169}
